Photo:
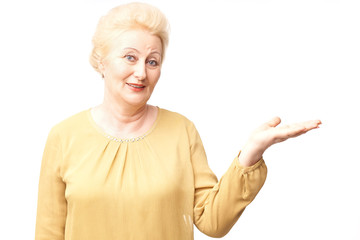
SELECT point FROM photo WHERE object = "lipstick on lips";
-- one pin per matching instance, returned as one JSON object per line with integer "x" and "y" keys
{"x": 135, "y": 87}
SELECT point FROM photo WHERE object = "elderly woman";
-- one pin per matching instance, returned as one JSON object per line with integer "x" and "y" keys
{"x": 128, "y": 170}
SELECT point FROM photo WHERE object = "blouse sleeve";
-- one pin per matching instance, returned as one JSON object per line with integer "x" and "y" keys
{"x": 219, "y": 204}
{"x": 51, "y": 208}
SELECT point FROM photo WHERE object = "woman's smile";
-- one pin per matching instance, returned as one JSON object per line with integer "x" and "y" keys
{"x": 135, "y": 87}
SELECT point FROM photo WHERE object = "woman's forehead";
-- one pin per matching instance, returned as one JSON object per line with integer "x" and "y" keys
{"x": 138, "y": 41}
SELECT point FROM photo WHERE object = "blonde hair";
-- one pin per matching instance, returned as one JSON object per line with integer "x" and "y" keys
{"x": 123, "y": 18}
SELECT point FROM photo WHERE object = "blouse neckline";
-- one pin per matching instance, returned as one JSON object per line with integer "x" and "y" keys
{"x": 122, "y": 140}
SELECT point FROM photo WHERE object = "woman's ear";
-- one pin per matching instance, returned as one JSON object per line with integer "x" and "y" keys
{"x": 101, "y": 68}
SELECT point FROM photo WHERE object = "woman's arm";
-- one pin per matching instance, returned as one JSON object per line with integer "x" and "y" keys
{"x": 218, "y": 205}
{"x": 51, "y": 209}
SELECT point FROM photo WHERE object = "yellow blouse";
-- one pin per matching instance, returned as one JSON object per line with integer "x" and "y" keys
{"x": 95, "y": 187}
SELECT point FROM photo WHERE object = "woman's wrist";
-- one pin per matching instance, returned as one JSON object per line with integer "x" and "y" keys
{"x": 250, "y": 154}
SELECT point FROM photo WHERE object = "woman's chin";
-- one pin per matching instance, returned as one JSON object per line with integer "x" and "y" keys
{"x": 137, "y": 100}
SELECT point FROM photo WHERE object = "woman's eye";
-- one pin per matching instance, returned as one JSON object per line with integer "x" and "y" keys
{"x": 153, "y": 63}
{"x": 130, "y": 58}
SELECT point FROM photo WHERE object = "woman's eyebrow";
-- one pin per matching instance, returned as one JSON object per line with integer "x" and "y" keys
{"x": 156, "y": 52}
{"x": 131, "y": 48}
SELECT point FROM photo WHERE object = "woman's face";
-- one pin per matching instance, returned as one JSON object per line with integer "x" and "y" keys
{"x": 132, "y": 68}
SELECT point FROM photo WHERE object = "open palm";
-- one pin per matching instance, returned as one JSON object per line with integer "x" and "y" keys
{"x": 270, "y": 133}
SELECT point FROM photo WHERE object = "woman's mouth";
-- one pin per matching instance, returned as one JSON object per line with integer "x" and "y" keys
{"x": 136, "y": 87}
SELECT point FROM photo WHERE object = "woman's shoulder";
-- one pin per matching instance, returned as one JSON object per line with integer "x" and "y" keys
{"x": 72, "y": 123}
{"x": 175, "y": 120}
{"x": 174, "y": 117}
{"x": 176, "y": 124}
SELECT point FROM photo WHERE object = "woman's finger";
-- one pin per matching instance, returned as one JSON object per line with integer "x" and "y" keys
{"x": 312, "y": 124}
{"x": 273, "y": 122}
{"x": 295, "y": 130}
{"x": 289, "y": 131}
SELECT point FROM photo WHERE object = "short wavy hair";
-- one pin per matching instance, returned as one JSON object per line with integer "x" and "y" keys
{"x": 123, "y": 18}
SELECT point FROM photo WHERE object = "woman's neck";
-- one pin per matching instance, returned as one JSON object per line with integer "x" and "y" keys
{"x": 124, "y": 121}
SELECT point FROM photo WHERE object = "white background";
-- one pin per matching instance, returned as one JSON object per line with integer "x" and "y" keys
{"x": 230, "y": 66}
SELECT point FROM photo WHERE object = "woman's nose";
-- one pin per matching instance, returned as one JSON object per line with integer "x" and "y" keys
{"x": 140, "y": 70}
